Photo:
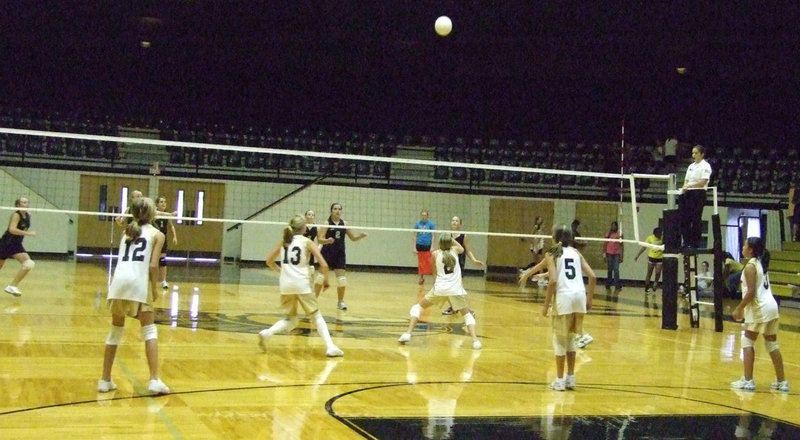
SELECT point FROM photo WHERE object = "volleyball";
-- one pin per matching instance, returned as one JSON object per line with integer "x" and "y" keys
{"x": 443, "y": 26}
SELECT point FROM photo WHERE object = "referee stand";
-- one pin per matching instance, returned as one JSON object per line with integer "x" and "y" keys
{"x": 670, "y": 286}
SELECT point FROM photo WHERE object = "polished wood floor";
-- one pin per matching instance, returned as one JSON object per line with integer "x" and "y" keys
{"x": 51, "y": 346}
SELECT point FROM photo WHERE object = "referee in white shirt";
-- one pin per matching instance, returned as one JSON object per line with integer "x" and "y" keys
{"x": 691, "y": 202}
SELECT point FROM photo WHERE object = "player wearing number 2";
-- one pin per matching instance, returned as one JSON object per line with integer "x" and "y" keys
{"x": 133, "y": 290}
{"x": 446, "y": 286}
{"x": 570, "y": 300}
{"x": 295, "y": 286}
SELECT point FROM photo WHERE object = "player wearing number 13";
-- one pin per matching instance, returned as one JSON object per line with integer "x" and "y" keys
{"x": 570, "y": 300}
{"x": 295, "y": 286}
{"x": 133, "y": 290}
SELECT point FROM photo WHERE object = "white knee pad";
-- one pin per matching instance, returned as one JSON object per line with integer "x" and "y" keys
{"x": 560, "y": 346}
{"x": 571, "y": 342}
{"x": 746, "y": 342}
{"x": 115, "y": 335}
{"x": 469, "y": 319}
{"x": 415, "y": 311}
{"x": 771, "y": 345}
{"x": 149, "y": 332}
{"x": 28, "y": 264}
{"x": 341, "y": 281}
{"x": 320, "y": 278}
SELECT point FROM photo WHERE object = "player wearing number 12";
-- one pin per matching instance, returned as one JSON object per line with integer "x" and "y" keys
{"x": 570, "y": 300}
{"x": 133, "y": 290}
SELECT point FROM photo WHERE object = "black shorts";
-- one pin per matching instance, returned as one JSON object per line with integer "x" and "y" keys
{"x": 335, "y": 260}
{"x": 655, "y": 260}
{"x": 9, "y": 250}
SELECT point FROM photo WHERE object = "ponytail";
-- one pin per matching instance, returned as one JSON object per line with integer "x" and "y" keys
{"x": 296, "y": 225}
{"x": 133, "y": 230}
{"x": 287, "y": 235}
{"x": 448, "y": 260}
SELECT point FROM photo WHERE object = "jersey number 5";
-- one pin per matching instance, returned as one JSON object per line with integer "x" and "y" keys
{"x": 569, "y": 268}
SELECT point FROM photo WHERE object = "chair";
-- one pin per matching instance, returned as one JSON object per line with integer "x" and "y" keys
{"x": 233, "y": 159}
{"x": 214, "y": 158}
{"x": 459, "y": 173}
{"x": 271, "y": 162}
{"x": 254, "y": 160}
{"x": 56, "y": 147}
{"x": 288, "y": 163}
{"x": 477, "y": 175}
{"x": 326, "y": 165}
{"x": 381, "y": 169}
{"x": 344, "y": 167}
{"x": 362, "y": 168}
{"x": 307, "y": 164}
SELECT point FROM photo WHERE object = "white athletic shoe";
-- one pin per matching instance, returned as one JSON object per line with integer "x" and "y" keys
{"x": 780, "y": 386}
{"x": 157, "y": 387}
{"x": 569, "y": 382}
{"x": 405, "y": 337}
{"x": 262, "y": 342}
{"x": 476, "y": 345}
{"x": 164, "y": 284}
{"x": 13, "y": 290}
{"x": 558, "y": 385}
{"x": 744, "y": 384}
{"x": 104, "y": 386}
{"x": 341, "y": 305}
{"x": 334, "y": 351}
{"x": 585, "y": 340}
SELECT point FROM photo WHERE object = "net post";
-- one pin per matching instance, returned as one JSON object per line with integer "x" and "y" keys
{"x": 669, "y": 286}
{"x": 719, "y": 283}
{"x": 671, "y": 187}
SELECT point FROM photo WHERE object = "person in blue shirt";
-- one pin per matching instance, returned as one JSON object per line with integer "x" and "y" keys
{"x": 422, "y": 245}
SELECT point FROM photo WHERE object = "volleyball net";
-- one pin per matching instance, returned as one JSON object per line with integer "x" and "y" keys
{"x": 232, "y": 194}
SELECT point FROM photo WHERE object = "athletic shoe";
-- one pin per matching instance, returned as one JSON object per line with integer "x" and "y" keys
{"x": 780, "y": 386}
{"x": 569, "y": 383}
{"x": 448, "y": 311}
{"x": 262, "y": 342}
{"x": 585, "y": 340}
{"x": 104, "y": 386}
{"x": 558, "y": 385}
{"x": 744, "y": 384}
{"x": 334, "y": 351}
{"x": 13, "y": 290}
{"x": 164, "y": 284}
{"x": 155, "y": 386}
{"x": 476, "y": 345}
{"x": 405, "y": 337}
{"x": 648, "y": 291}
{"x": 341, "y": 305}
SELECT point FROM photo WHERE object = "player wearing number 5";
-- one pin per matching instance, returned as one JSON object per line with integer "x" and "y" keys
{"x": 570, "y": 300}
{"x": 295, "y": 286}
{"x": 133, "y": 290}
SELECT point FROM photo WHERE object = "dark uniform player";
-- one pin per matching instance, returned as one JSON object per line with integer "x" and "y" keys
{"x": 11, "y": 244}
{"x": 334, "y": 249}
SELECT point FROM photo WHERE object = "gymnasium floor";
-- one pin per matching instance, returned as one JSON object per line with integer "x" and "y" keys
{"x": 634, "y": 381}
